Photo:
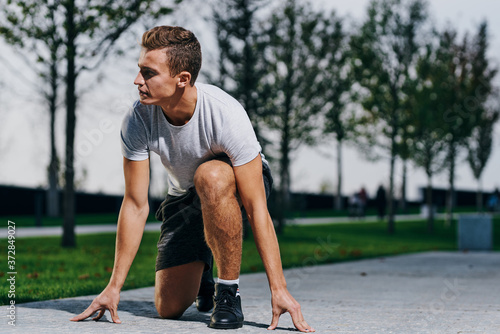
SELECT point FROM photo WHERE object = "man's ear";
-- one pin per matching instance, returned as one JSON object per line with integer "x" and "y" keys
{"x": 184, "y": 79}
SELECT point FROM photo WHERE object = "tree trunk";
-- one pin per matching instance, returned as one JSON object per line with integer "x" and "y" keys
{"x": 402, "y": 201}
{"x": 394, "y": 123}
{"x": 68, "y": 238}
{"x": 288, "y": 91}
{"x": 338, "y": 198}
{"x": 430, "y": 207}
{"x": 284, "y": 196}
{"x": 450, "y": 196}
{"x": 390, "y": 207}
{"x": 479, "y": 196}
{"x": 53, "y": 170}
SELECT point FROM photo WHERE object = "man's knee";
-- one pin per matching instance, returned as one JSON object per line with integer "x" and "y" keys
{"x": 169, "y": 310}
{"x": 214, "y": 179}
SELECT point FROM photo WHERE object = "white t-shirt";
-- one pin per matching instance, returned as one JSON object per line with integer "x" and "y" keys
{"x": 219, "y": 127}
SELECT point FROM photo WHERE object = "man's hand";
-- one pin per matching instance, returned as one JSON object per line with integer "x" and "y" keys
{"x": 131, "y": 222}
{"x": 107, "y": 300}
{"x": 251, "y": 189}
{"x": 284, "y": 302}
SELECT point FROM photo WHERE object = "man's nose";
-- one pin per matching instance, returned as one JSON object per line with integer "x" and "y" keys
{"x": 139, "y": 79}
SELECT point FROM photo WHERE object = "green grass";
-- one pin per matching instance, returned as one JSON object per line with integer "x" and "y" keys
{"x": 370, "y": 211}
{"x": 46, "y": 271}
{"x": 82, "y": 219}
{"x": 320, "y": 213}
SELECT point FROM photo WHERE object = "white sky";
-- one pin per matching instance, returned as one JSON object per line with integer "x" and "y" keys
{"x": 24, "y": 143}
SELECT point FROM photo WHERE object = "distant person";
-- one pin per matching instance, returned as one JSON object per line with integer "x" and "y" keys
{"x": 215, "y": 167}
{"x": 493, "y": 201}
{"x": 381, "y": 202}
{"x": 363, "y": 200}
{"x": 354, "y": 205}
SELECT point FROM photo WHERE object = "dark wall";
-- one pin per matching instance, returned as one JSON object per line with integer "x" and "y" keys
{"x": 462, "y": 197}
{"x": 32, "y": 201}
{"x": 21, "y": 201}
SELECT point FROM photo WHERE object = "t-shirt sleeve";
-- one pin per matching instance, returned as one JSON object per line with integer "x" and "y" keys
{"x": 134, "y": 136}
{"x": 238, "y": 138}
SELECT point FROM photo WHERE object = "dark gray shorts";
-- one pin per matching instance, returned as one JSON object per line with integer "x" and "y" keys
{"x": 182, "y": 239}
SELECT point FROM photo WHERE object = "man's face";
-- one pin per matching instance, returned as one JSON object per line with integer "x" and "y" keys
{"x": 154, "y": 82}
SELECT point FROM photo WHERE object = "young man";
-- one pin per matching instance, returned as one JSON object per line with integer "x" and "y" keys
{"x": 207, "y": 144}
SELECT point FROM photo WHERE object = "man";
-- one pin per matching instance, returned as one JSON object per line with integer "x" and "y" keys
{"x": 207, "y": 144}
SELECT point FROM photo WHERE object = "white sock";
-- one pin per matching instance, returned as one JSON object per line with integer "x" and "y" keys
{"x": 230, "y": 282}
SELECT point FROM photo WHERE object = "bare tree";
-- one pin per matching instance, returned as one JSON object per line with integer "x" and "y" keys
{"x": 38, "y": 33}
{"x": 88, "y": 31}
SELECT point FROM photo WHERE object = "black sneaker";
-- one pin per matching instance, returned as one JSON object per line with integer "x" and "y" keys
{"x": 205, "y": 298}
{"x": 204, "y": 303}
{"x": 227, "y": 312}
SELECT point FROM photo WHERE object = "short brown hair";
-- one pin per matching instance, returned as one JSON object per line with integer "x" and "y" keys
{"x": 183, "y": 49}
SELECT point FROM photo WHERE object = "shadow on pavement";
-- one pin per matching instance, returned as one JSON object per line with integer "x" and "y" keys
{"x": 138, "y": 308}
{"x": 74, "y": 307}
{"x": 258, "y": 325}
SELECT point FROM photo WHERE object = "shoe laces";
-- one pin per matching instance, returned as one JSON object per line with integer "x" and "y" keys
{"x": 224, "y": 301}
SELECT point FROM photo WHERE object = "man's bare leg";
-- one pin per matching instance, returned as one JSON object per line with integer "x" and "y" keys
{"x": 176, "y": 288}
{"x": 216, "y": 186}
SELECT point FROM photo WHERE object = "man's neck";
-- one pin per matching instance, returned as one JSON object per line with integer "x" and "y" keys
{"x": 180, "y": 108}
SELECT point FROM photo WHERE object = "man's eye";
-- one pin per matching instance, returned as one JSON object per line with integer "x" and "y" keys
{"x": 148, "y": 74}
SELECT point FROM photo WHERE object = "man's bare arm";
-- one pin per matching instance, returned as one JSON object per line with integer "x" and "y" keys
{"x": 133, "y": 215}
{"x": 252, "y": 193}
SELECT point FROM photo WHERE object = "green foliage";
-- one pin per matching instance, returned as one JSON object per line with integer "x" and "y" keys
{"x": 290, "y": 88}
{"x": 465, "y": 84}
{"x": 334, "y": 54}
{"x": 486, "y": 112}
{"x": 385, "y": 51}
{"x": 291, "y": 85}
{"x": 240, "y": 56}
{"x": 427, "y": 112}
{"x": 454, "y": 83}
{"x": 480, "y": 143}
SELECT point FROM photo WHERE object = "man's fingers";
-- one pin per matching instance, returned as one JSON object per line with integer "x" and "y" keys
{"x": 99, "y": 316}
{"x": 303, "y": 326}
{"x": 300, "y": 323}
{"x": 114, "y": 316}
{"x": 274, "y": 322}
{"x": 85, "y": 314}
{"x": 107, "y": 300}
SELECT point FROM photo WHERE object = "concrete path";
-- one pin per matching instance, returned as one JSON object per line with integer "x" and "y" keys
{"x": 436, "y": 292}
{"x": 367, "y": 219}
{"x": 155, "y": 226}
{"x": 79, "y": 229}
